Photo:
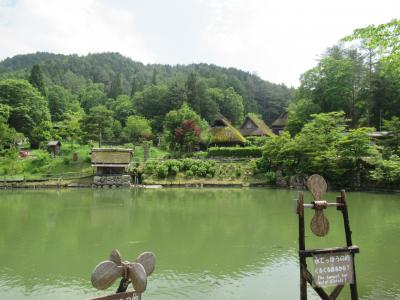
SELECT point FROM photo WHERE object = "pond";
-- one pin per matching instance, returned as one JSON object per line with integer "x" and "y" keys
{"x": 210, "y": 243}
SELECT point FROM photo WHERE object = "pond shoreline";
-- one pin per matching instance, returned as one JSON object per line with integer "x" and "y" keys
{"x": 215, "y": 184}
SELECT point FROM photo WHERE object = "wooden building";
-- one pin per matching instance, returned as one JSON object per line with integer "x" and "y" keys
{"x": 279, "y": 124}
{"x": 54, "y": 147}
{"x": 111, "y": 161}
{"x": 224, "y": 134}
{"x": 253, "y": 126}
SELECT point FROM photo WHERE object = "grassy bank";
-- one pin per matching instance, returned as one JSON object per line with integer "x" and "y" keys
{"x": 41, "y": 169}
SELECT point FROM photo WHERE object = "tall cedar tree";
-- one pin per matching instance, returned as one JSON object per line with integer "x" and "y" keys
{"x": 37, "y": 80}
{"x": 116, "y": 87}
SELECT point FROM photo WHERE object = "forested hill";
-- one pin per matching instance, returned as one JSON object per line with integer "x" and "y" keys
{"x": 76, "y": 73}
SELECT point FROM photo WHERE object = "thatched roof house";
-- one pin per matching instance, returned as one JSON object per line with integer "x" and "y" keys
{"x": 279, "y": 124}
{"x": 253, "y": 126}
{"x": 111, "y": 160}
{"x": 224, "y": 134}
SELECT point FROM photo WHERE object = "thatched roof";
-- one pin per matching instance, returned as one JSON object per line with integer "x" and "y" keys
{"x": 282, "y": 120}
{"x": 222, "y": 132}
{"x": 107, "y": 157}
{"x": 253, "y": 126}
{"x": 53, "y": 143}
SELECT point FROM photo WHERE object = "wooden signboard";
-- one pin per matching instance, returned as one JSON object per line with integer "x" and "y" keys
{"x": 121, "y": 296}
{"x": 332, "y": 269}
{"x": 332, "y": 266}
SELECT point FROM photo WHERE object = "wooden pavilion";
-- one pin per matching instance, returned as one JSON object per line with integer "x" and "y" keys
{"x": 111, "y": 161}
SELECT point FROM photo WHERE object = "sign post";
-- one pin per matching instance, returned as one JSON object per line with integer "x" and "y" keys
{"x": 332, "y": 266}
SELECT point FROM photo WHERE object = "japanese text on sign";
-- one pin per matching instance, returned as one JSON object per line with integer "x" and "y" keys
{"x": 333, "y": 268}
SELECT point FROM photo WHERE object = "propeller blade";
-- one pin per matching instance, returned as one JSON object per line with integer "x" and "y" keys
{"x": 115, "y": 257}
{"x": 138, "y": 276}
{"x": 317, "y": 186}
{"x": 104, "y": 274}
{"x": 148, "y": 261}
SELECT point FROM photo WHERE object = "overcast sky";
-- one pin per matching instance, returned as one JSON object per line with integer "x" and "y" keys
{"x": 278, "y": 40}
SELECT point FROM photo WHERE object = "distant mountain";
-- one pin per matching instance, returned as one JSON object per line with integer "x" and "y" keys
{"x": 74, "y": 72}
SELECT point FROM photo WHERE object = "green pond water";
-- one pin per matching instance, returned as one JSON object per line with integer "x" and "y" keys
{"x": 209, "y": 243}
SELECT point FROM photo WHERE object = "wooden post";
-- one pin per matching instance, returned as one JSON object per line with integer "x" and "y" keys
{"x": 302, "y": 246}
{"x": 145, "y": 151}
{"x": 349, "y": 242}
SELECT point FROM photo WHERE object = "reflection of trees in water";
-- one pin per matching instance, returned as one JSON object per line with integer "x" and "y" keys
{"x": 57, "y": 236}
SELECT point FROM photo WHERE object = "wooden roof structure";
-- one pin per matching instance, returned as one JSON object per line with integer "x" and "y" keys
{"x": 111, "y": 157}
{"x": 280, "y": 123}
{"x": 282, "y": 119}
{"x": 53, "y": 143}
{"x": 253, "y": 126}
{"x": 223, "y": 132}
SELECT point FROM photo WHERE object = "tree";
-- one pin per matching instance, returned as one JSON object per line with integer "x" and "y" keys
{"x": 137, "y": 129}
{"x": 116, "y": 87}
{"x": 384, "y": 39}
{"x": 8, "y": 135}
{"x": 337, "y": 83}
{"x": 61, "y": 101}
{"x": 300, "y": 113}
{"x": 122, "y": 108}
{"x": 188, "y": 135}
{"x": 393, "y": 139}
{"x": 175, "y": 119}
{"x": 154, "y": 77}
{"x": 176, "y": 95}
{"x": 353, "y": 148}
{"x": 37, "y": 80}
{"x": 192, "y": 92}
{"x": 92, "y": 95}
{"x": 28, "y": 108}
{"x": 151, "y": 104}
{"x": 229, "y": 103}
{"x": 98, "y": 124}
{"x": 44, "y": 132}
{"x": 70, "y": 127}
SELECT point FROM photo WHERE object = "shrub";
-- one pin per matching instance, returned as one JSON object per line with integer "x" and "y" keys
{"x": 387, "y": 170}
{"x": 162, "y": 171}
{"x": 235, "y": 152}
{"x": 66, "y": 161}
{"x": 271, "y": 177}
{"x": 256, "y": 141}
{"x": 199, "y": 154}
{"x": 150, "y": 167}
{"x": 259, "y": 166}
{"x": 174, "y": 166}
{"x": 238, "y": 171}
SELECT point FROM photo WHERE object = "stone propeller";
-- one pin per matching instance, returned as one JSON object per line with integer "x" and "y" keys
{"x": 319, "y": 223}
{"x": 107, "y": 272}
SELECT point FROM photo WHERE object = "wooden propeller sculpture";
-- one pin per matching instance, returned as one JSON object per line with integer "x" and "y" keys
{"x": 319, "y": 223}
{"x": 107, "y": 272}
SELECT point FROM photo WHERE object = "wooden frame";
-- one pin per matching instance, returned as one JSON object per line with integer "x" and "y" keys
{"x": 305, "y": 275}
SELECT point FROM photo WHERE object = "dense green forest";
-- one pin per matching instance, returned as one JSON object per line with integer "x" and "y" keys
{"x": 352, "y": 91}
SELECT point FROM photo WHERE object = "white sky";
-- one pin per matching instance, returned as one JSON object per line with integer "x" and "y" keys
{"x": 278, "y": 40}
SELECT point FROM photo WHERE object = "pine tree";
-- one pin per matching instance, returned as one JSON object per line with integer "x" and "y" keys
{"x": 154, "y": 78}
{"x": 192, "y": 92}
{"x": 116, "y": 87}
{"x": 37, "y": 80}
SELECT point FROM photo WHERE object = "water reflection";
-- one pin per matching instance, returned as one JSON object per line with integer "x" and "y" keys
{"x": 213, "y": 243}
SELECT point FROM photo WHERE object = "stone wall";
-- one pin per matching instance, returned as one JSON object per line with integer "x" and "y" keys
{"x": 111, "y": 180}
